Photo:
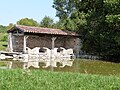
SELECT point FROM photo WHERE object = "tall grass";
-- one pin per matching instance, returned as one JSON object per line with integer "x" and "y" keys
{"x": 44, "y": 80}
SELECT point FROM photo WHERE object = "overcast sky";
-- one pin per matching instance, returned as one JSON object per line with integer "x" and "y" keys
{"x": 13, "y": 10}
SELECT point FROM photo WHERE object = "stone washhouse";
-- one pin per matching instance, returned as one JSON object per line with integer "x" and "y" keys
{"x": 20, "y": 37}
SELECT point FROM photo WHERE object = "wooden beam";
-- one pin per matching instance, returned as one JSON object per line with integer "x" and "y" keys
{"x": 53, "y": 42}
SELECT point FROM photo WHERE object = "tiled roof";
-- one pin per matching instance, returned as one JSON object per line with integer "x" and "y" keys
{"x": 42, "y": 30}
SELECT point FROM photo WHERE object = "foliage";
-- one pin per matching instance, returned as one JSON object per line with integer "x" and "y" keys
{"x": 27, "y": 22}
{"x": 46, "y": 22}
{"x": 9, "y": 26}
{"x": 42, "y": 80}
{"x": 3, "y": 37}
{"x": 97, "y": 21}
{"x": 3, "y": 45}
{"x": 2, "y": 29}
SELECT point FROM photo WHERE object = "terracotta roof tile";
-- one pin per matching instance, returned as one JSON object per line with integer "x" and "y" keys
{"x": 41, "y": 30}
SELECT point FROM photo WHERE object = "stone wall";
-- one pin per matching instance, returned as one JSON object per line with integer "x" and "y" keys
{"x": 38, "y": 41}
{"x": 17, "y": 43}
{"x": 46, "y": 41}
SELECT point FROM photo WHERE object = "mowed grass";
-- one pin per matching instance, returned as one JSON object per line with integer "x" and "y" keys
{"x": 18, "y": 79}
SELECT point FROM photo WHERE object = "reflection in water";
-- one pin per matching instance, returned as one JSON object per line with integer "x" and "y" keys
{"x": 49, "y": 57}
{"x": 6, "y": 64}
{"x": 34, "y": 63}
{"x": 27, "y": 61}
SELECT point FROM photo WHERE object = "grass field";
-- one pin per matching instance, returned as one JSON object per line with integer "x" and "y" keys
{"x": 17, "y": 79}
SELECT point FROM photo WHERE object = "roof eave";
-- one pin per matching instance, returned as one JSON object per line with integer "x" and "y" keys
{"x": 13, "y": 28}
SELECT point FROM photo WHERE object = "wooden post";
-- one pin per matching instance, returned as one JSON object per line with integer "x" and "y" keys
{"x": 53, "y": 42}
{"x": 53, "y": 45}
{"x": 24, "y": 45}
{"x": 10, "y": 44}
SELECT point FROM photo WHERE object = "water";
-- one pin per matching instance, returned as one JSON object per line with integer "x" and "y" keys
{"x": 79, "y": 66}
{"x": 35, "y": 63}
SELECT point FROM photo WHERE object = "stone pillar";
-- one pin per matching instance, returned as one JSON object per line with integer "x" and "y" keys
{"x": 24, "y": 43}
{"x": 78, "y": 47}
{"x": 10, "y": 42}
{"x": 52, "y": 54}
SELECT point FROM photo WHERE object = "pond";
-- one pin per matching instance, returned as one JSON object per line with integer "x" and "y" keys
{"x": 93, "y": 67}
{"x": 79, "y": 66}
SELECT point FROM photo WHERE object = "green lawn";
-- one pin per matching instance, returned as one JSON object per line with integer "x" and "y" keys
{"x": 17, "y": 79}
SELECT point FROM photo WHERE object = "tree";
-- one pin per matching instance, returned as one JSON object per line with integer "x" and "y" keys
{"x": 68, "y": 14}
{"x": 46, "y": 22}
{"x": 9, "y": 26}
{"x": 2, "y": 29}
{"x": 27, "y": 22}
{"x": 97, "y": 21}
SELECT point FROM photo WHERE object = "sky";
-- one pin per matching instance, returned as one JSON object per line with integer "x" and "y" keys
{"x": 12, "y": 11}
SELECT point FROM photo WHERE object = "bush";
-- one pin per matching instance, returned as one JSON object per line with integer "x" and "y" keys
{"x": 3, "y": 37}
